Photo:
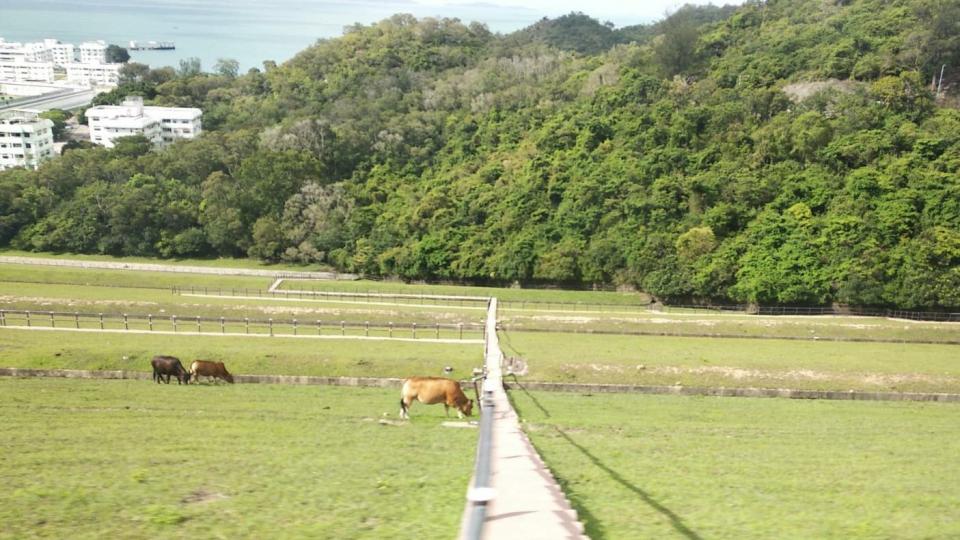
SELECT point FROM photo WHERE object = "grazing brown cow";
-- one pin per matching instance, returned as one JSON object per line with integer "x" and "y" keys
{"x": 169, "y": 365}
{"x": 210, "y": 369}
{"x": 430, "y": 390}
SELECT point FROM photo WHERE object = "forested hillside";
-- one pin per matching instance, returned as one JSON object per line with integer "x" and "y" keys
{"x": 789, "y": 152}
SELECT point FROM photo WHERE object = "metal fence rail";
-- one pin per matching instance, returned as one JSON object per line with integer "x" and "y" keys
{"x": 225, "y": 325}
{"x": 480, "y": 492}
{"x": 371, "y": 296}
{"x": 943, "y": 316}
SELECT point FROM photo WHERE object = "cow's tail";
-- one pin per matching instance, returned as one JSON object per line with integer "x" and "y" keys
{"x": 403, "y": 408}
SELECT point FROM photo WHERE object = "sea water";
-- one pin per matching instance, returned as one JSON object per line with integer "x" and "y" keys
{"x": 249, "y": 31}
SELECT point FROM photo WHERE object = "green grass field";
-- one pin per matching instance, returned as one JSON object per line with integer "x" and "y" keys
{"x": 97, "y": 299}
{"x": 242, "y": 355}
{"x": 132, "y": 459}
{"x": 805, "y": 327}
{"x": 715, "y": 362}
{"x": 14, "y": 275}
{"x": 685, "y": 467}
{"x": 504, "y": 294}
{"x": 254, "y": 264}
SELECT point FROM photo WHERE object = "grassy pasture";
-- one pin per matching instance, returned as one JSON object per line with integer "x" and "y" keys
{"x": 14, "y": 275}
{"x": 821, "y": 327}
{"x": 715, "y": 362}
{"x": 687, "y": 467}
{"x": 253, "y": 264}
{"x": 131, "y": 459}
{"x": 242, "y": 355}
{"x": 504, "y": 294}
{"x": 59, "y": 289}
{"x": 159, "y": 302}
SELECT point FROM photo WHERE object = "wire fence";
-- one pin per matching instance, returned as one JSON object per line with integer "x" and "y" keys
{"x": 371, "y": 296}
{"x": 942, "y": 316}
{"x": 238, "y": 326}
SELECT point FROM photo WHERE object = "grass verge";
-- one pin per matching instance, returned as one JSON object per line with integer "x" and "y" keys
{"x": 687, "y": 467}
{"x": 716, "y": 362}
{"x": 130, "y": 459}
{"x": 242, "y": 355}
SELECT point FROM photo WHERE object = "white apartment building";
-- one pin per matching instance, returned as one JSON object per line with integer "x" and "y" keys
{"x": 160, "y": 125}
{"x": 93, "y": 52}
{"x": 35, "y": 62}
{"x": 60, "y": 53}
{"x": 22, "y": 71}
{"x": 19, "y": 52}
{"x": 26, "y": 140}
{"x": 93, "y": 74}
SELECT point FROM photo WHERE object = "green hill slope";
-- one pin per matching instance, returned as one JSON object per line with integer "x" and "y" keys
{"x": 784, "y": 152}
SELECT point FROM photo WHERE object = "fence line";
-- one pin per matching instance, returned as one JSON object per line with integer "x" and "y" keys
{"x": 478, "y": 302}
{"x": 505, "y": 328}
{"x": 942, "y": 316}
{"x": 238, "y": 326}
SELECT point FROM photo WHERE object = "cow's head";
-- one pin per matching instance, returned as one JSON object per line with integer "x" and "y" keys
{"x": 186, "y": 377}
{"x": 467, "y": 408}
{"x": 229, "y": 378}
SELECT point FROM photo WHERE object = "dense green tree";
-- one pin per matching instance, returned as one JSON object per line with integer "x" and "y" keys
{"x": 773, "y": 152}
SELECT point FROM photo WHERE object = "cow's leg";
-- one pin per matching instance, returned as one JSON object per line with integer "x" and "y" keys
{"x": 405, "y": 408}
{"x": 168, "y": 378}
{"x": 446, "y": 410}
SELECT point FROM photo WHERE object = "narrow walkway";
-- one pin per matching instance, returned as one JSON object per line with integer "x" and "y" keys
{"x": 527, "y": 502}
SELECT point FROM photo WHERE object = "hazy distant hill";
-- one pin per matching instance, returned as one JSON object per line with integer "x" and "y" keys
{"x": 665, "y": 156}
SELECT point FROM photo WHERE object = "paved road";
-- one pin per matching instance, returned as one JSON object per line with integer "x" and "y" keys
{"x": 66, "y": 99}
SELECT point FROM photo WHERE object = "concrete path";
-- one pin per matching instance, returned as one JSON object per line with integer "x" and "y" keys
{"x": 185, "y": 269}
{"x": 527, "y": 503}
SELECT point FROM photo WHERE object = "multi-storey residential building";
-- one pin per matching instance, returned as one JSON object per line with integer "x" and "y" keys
{"x": 160, "y": 125}
{"x": 93, "y": 74}
{"x": 61, "y": 53}
{"x": 26, "y": 140}
{"x": 22, "y": 71}
{"x": 93, "y": 52}
{"x": 35, "y": 62}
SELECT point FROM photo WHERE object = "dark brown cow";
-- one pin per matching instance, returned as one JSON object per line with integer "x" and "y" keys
{"x": 210, "y": 369}
{"x": 430, "y": 390}
{"x": 169, "y": 365}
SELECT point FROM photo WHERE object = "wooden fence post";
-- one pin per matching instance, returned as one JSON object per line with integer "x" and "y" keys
{"x": 246, "y": 324}
{"x": 222, "y": 329}
{"x": 150, "y": 321}
{"x": 271, "y": 326}
{"x": 28, "y": 318}
{"x": 126, "y": 325}
{"x": 101, "y": 321}
{"x": 76, "y": 319}
{"x": 198, "y": 324}
{"x": 174, "y": 319}
{"x": 414, "y": 330}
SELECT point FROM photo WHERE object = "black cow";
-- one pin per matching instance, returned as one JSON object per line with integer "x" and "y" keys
{"x": 169, "y": 365}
